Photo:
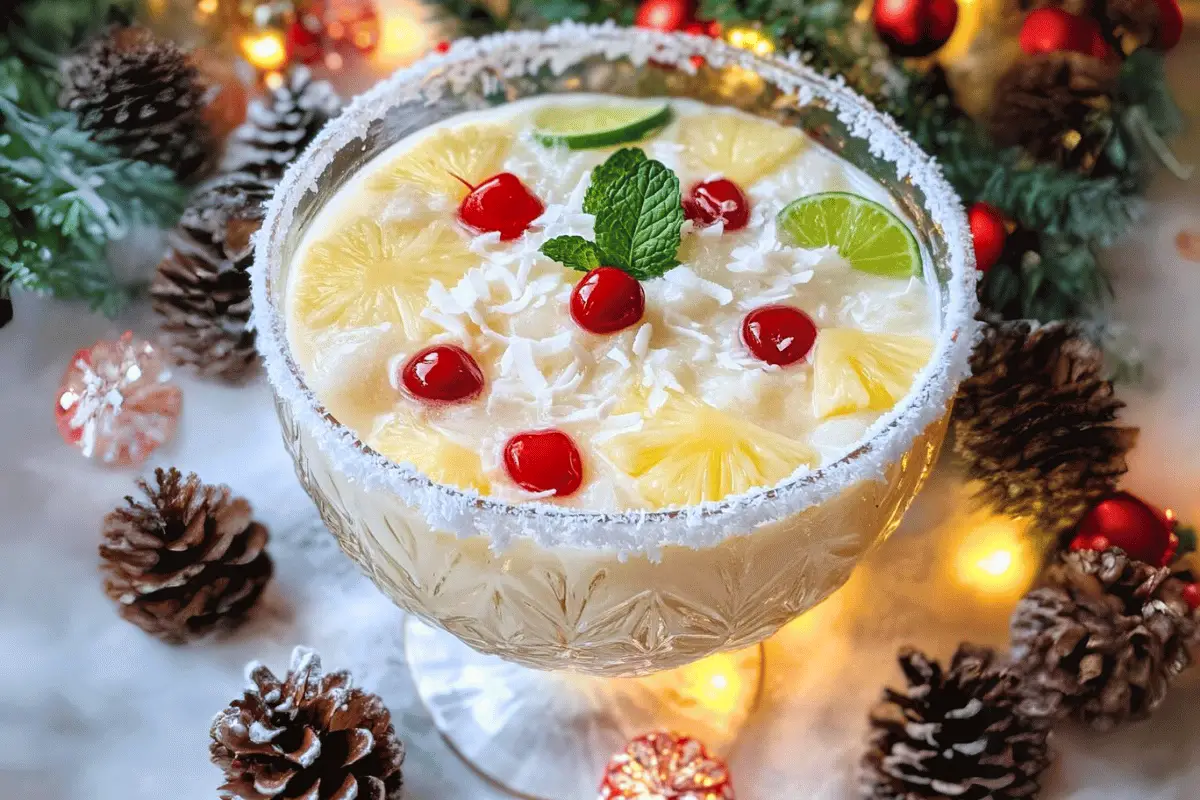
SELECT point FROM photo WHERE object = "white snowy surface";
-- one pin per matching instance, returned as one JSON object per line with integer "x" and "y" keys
{"x": 92, "y": 709}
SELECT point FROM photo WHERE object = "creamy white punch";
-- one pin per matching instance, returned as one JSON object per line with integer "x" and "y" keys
{"x": 610, "y": 304}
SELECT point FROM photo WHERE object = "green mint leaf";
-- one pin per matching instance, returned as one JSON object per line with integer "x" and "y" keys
{"x": 619, "y": 166}
{"x": 639, "y": 227}
{"x": 573, "y": 252}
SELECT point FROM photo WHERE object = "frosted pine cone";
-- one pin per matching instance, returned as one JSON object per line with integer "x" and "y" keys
{"x": 309, "y": 736}
{"x": 278, "y": 129}
{"x": 954, "y": 733}
{"x": 1102, "y": 641}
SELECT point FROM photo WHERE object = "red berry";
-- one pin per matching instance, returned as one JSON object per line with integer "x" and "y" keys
{"x": 696, "y": 28}
{"x": 779, "y": 335}
{"x": 721, "y": 199}
{"x": 1191, "y": 595}
{"x": 713, "y": 29}
{"x": 663, "y": 15}
{"x": 501, "y": 203}
{"x": 988, "y": 234}
{"x": 607, "y": 300}
{"x": 540, "y": 461}
{"x": 915, "y": 28}
{"x": 442, "y": 373}
{"x": 443, "y": 46}
{"x": 1049, "y": 30}
{"x": 1099, "y": 544}
{"x": 1170, "y": 25}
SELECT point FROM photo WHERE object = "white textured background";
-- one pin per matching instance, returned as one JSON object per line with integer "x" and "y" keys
{"x": 92, "y": 709}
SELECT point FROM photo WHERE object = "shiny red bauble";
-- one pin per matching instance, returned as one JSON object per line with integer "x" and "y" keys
{"x": 1191, "y": 595}
{"x": 443, "y": 373}
{"x": 543, "y": 461}
{"x": 1125, "y": 521}
{"x": 501, "y": 203}
{"x": 607, "y": 300}
{"x": 720, "y": 200}
{"x": 915, "y": 28}
{"x": 1053, "y": 30}
{"x": 664, "y": 15}
{"x": 1170, "y": 25}
{"x": 779, "y": 335}
{"x": 988, "y": 234}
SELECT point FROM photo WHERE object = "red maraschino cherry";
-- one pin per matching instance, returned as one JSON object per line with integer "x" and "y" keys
{"x": 722, "y": 199}
{"x": 443, "y": 373}
{"x": 607, "y": 300}
{"x": 779, "y": 335}
{"x": 501, "y": 203}
{"x": 541, "y": 461}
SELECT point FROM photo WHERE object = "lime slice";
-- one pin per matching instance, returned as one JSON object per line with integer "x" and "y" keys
{"x": 584, "y": 127}
{"x": 865, "y": 233}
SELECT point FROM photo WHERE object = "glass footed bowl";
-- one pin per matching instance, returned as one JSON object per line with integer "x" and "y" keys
{"x": 614, "y": 594}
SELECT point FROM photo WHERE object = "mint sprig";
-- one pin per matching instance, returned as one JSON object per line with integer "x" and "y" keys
{"x": 639, "y": 216}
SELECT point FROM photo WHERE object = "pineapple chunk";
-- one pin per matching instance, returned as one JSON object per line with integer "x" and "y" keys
{"x": 855, "y": 370}
{"x": 740, "y": 149}
{"x": 405, "y": 440}
{"x": 690, "y": 452}
{"x": 371, "y": 273}
{"x": 441, "y": 163}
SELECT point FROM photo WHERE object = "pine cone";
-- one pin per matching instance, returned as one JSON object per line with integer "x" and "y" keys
{"x": 202, "y": 287}
{"x": 954, "y": 734}
{"x": 1052, "y": 105}
{"x": 188, "y": 562}
{"x": 142, "y": 96}
{"x": 1034, "y": 423}
{"x": 276, "y": 132}
{"x": 1102, "y": 640}
{"x": 308, "y": 736}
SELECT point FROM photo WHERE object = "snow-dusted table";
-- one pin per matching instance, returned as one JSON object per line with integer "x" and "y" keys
{"x": 93, "y": 709}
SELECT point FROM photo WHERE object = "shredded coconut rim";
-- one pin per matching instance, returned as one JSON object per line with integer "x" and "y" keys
{"x": 559, "y": 48}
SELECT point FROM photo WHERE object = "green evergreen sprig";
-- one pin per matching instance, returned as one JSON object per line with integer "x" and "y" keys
{"x": 63, "y": 196}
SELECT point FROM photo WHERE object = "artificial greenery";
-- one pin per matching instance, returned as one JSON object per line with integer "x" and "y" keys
{"x": 63, "y": 196}
{"x": 1063, "y": 216}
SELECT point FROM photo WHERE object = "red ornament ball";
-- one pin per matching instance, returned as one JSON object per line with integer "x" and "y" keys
{"x": 915, "y": 28}
{"x": 1170, "y": 25}
{"x": 666, "y": 766}
{"x": 501, "y": 203}
{"x": 542, "y": 461}
{"x": 607, "y": 300}
{"x": 722, "y": 199}
{"x": 1052, "y": 30}
{"x": 1125, "y": 521}
{"x": 1191, "y": 595}
{"x": 443, "y": 373}
{"x": 664, "y": 15}
{"x": 779, "y": 335}
{"x": 988, "y": 234}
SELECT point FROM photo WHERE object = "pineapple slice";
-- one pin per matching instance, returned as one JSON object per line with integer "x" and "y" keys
{"x": 690, "y": 452}
{"x": 371, "y": 273}
{"x": 404, "y": 440}
{"x": 742, "y": 150}
{"x": 473, "y": 154}
{"x": 855, "y": 370}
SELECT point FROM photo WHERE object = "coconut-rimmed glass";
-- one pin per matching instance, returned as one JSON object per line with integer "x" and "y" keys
{"x": 613, "y": 594}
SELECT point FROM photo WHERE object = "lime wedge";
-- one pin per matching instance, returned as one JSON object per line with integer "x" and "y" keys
{"x": 583, "y": 127}
{"x": 865, "y": 233}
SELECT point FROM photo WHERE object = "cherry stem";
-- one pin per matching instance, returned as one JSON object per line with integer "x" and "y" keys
{"x": 461, "y": 180}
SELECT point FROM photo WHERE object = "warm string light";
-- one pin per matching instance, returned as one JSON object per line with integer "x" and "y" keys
{"x": 265, "y": 50}
{"x": 750, "y": 39}
{"x": 995, "y": 559}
